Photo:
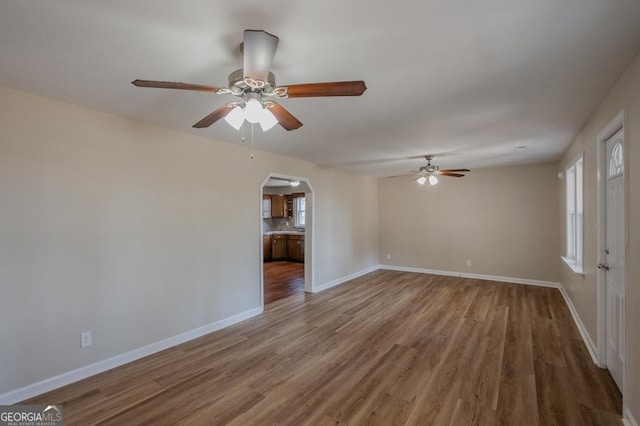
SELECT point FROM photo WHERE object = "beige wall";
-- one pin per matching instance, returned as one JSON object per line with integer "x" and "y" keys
{"x": 582, "y": 289}
{"x": 132, "y": 231}
{"x": 503, "y": 219}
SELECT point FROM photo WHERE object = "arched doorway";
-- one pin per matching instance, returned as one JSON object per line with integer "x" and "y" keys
{"x": 286, "y": 232}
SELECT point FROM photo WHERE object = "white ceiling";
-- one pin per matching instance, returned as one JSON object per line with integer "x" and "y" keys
{"x": 467, "y": 79}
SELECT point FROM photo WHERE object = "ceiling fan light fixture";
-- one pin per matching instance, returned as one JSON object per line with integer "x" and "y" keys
{"x": 268, "y": 120}
{"x": 431, "y": 173}
{"x": 235, "y": 118}
{"x": 253, "y": 111}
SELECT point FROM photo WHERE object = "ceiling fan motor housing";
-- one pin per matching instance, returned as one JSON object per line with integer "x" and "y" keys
{"x": 429, "y": 169}
{"x": 239, "y": 85}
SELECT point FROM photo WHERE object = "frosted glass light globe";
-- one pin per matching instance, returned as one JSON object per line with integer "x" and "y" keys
{"x": 253, "y": 111}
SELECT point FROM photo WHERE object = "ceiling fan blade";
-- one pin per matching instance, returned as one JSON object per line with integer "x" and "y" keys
{"x": 258, "y": 51}
{"x": 173, "y": 85}
{"x": 395, "y": 176}
{"x": 445, "y": 173}
{"x": 336, "y": 88}
{"x": 214, "y": 116}
{"x": 456, "y": 170}
{"x": 284, "y": 117}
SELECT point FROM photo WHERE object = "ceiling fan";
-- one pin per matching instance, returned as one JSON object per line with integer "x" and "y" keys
{"x": 253, "y": 83}
{"x": 430, "y": 173}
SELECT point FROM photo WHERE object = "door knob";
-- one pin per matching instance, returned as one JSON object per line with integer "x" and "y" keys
{"x": 604, "y": 266}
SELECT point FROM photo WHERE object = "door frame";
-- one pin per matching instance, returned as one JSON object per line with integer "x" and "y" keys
{"x": 619, "y": 122}
{"x": 308, "y": 232}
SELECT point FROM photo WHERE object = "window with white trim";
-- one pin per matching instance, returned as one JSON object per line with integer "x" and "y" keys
{"x": 574, "y": 215}
{"x": 299, "y": 207}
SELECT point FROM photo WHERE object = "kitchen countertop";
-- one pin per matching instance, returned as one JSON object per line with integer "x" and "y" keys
{"x": 284, "y": 232}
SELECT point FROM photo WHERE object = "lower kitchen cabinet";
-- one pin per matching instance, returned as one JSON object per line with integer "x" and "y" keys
{"x": 266, "y": 248}
{"x": 283, "y": 247}
{"x": 301, "y": 249}
{"x": 295, "y": 248}
{"x": 278, "y": 247}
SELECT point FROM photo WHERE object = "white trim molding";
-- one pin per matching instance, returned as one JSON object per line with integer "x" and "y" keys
{"x": 575, "y": 267}
{"x": 64, "y": 379}
{"x": 344, "y": 279}
{"x": 628, "y": 419}
{"x": 512, "y": 280}
{"x": 586, "y": 338}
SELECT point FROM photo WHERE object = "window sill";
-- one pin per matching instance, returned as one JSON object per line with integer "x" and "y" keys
{"x": 575, "y": 267}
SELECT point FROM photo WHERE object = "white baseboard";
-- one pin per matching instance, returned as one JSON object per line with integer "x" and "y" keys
{"x": 586, "y": 338}
{"x": 63, "y": 379}
{"x": 628, "y": 419}
{"x": 512, "y": 280}
{"x": 344, "y": 279}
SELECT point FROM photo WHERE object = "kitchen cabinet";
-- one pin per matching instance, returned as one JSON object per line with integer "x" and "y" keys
{"x": 281, "y": 205}
{"x": 289, "y": 205}
{"x": 283, "y": 247}
{"x": 278, "y": 247}
{"x": 278, "y": 205}
{"x": 295, "y": 248}
{"x": 266, "y": 206}
{"x": 266, "y": 248}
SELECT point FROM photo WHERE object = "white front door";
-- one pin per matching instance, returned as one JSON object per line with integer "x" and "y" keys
{"x": 615, "y": 255}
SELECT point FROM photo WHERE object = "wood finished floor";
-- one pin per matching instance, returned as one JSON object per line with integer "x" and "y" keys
{"x": 282, "y": 279}
{"x": 389, "y": 348}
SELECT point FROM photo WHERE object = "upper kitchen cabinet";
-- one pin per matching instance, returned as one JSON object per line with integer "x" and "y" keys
{"x": 266, "y": 206}
{"x": 278, "y": 205}
{"x": 281, "y": 206}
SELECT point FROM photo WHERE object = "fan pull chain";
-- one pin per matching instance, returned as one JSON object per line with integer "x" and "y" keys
{"x": 252, "y": 141}
{"x": 243, "y": 139}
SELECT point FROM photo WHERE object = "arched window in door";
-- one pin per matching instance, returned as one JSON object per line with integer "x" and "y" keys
{"x": 615, "y": 161}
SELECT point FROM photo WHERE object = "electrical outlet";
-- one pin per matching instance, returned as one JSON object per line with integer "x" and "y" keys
{"x": 86, "y": 339}
{"x": 388, "y": 256}
{"x": 468, "y": 262}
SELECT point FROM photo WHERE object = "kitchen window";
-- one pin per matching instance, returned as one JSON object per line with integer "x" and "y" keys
{"x": 574, "y": 215}
{"x": 299, "y": 207}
